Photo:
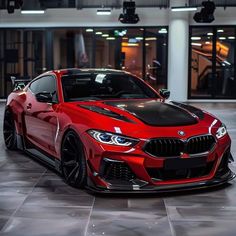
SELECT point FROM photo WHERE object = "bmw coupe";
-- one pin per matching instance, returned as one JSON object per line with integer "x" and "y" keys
{"x": 109, "y": 131}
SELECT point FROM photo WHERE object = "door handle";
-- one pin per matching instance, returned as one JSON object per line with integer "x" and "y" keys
{"x": 28, "y": 107}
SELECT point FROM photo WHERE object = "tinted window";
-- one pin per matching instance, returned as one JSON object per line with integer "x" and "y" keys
{"x": 44, "y": 84}
{"x": 104, "y": 86}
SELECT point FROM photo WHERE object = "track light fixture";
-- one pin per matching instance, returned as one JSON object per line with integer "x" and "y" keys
{"x": 206, "y": 15}
{"x": 13, "y": 4}
{"x": 128, "y": 16}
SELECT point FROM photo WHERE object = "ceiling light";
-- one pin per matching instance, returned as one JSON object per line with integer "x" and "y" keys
{"x": 89, "y": 30}
{"x": 220, "y": 30}
{"x": 195, "y": 38}
{"x": 196, "y": 44}
{"x": 222, "y": 38}
{"x": 139, "y": 38}
{"x": 183, "y": 8}
{"x": 103, "y": 12}
{"x": 162, "y": 31}
{"x": 132, "y": 44}
{"x": 105, "y": 35}
{"x": 98, "y": 33}
{"x": 125, "y": 44}
{"x": 231, "y": 37}
{"x": 207, "y": 42}
{"x": 146, "y": 44}
{"x": 151, "y": 38}
{"x": 210, "y": 34}
{"x": 32, "y": 11}
{"x": 110, "y": 38}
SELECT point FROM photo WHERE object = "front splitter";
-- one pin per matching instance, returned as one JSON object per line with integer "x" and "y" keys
{"x": 217, "y": 181}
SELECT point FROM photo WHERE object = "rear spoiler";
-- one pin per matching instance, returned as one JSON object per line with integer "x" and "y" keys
{"x": 19, "y": 84}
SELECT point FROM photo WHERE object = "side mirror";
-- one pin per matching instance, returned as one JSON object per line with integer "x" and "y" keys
{"x": 164, "y": 93}
{"x": 44, "y": 97}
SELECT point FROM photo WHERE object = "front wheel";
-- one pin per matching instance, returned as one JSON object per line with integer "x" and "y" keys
{"x": 73, "y": 160}
{"x": 9, "y": 131}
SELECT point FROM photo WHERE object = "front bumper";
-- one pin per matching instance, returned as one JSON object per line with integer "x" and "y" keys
{"x": 216, "y": 181}
{"x": 135, "y": 171}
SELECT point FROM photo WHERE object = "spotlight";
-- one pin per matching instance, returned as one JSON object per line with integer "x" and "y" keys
{"x": 206, "y": 15}
{"x": 128, "y": 16}
{"x": 10, "y": 6}
{"x": 13, "y": 4}
{"x": 18, "y": 4}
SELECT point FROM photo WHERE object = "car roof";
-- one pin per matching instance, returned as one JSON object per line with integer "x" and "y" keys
{"x": 75, "y": 71}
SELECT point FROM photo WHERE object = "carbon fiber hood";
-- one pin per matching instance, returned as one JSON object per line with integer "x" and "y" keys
{"x": 156, "y": 113}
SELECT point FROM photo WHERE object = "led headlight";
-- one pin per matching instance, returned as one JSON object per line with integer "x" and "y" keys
{"x": 113, "y": 139}
{"x": 222, "y": 131}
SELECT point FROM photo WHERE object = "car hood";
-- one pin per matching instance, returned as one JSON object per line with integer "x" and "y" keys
{"x": 150, "y": 112}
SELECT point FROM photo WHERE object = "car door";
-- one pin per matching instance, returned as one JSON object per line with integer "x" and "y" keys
{"x": 41, "y": 117}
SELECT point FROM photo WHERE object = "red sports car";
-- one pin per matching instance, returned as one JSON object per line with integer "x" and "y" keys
{"x": 109, "y": 131}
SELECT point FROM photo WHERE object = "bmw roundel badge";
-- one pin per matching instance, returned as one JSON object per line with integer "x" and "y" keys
{"x": 181, "y": 133}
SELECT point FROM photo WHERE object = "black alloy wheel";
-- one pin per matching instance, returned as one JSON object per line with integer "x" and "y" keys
{"x": 9, "y": 131}
{"x": 73, "y": 160}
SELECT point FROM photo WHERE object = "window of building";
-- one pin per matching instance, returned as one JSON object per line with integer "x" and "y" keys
{"x": 72, "y": 48}
{"x": 156, "y": 56}
{"x": 212, "y": 53}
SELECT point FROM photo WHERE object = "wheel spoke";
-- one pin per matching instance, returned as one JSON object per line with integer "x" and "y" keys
{"x": 70, "y": 144}
{"x": 9, "y": 138}
{"x": 73, "y": 172}
{"x": 68, "y": 152}
{"x": 7, "y": 132}
{"x": 69, "y": 163}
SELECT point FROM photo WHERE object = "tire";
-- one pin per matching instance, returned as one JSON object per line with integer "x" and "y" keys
{"x": 9, "y": 131}
{"x": 73, "y": 163}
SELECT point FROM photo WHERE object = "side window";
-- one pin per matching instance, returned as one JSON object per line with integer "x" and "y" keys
{"x": 44, "y": 84}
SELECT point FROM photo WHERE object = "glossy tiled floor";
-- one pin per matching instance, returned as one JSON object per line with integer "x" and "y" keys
{"x": 35, "y": 201}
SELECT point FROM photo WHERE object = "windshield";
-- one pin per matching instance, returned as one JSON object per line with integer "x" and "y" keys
{"x": 87, "y": 87}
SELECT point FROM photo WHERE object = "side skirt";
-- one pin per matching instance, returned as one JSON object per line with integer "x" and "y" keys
{"x": 39, "y": 154}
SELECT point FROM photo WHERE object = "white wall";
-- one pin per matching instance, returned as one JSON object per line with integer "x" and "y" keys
{"x": 84, "y": 17}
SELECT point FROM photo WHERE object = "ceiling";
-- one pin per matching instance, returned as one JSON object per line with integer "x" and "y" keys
{"x": 219, "y": 3}
{"x": 79, "y": 4}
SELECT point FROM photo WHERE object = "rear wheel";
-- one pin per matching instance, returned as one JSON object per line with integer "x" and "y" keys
{"x": 73, "y": 160}
{"x": 9, "y": 131}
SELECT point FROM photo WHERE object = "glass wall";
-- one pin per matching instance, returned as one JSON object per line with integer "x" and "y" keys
{"x": 22, "y": 55}
{"x": 26, "y": 53}
{"x": 212, "y": 55}
{"x": 156, "y": 57}
{"x": 72, "y": 48}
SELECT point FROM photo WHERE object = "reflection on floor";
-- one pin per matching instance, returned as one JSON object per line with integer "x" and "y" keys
{"x": 35, "y": 201}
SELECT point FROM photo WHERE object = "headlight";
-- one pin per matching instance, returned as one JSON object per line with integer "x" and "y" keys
{"x": 113, "y": 139}
{"x": 222, "y": 131}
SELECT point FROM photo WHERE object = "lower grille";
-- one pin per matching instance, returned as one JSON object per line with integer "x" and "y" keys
{"x": 161, "y": 174}
{"x": 116, "y": 170}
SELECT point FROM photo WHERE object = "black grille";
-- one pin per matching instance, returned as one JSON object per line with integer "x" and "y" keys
{"x": 200, "y": 144}
{"x": 167, "y": 147}
{"x": 113, "y": 170}
{"x": 160, "y": 174}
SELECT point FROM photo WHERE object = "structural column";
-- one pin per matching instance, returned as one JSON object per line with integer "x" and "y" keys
{"x": 178, "y": 50}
